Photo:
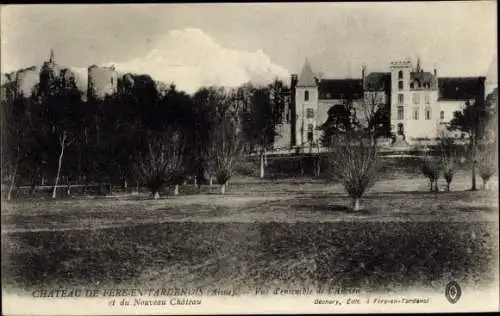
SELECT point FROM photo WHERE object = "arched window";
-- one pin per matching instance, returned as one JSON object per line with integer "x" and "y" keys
{"x": 441, "y": 115}
{"x": 400, "y": 74}
{"x": 306, "y": 95}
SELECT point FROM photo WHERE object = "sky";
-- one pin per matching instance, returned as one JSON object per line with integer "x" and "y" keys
{"x": 228, "y": 44}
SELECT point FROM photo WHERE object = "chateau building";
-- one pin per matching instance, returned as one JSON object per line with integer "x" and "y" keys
{"x": 421, "y": 103}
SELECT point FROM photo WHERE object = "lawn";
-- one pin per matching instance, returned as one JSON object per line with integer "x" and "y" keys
{"x": 262, "y": 233}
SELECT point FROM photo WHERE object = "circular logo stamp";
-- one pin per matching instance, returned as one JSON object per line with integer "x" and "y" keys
{"x": 453, "y": 292}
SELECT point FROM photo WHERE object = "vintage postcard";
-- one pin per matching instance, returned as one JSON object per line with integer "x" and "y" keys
{"x": 238, "y": 158}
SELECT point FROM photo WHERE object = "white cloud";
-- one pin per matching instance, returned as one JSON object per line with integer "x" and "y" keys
{"x": 191, "y": 59}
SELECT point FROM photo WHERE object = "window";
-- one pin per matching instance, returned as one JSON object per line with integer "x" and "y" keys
{"x": 400, "y": 85}
{"x": 441, "y": 115}
{"x": 427, "y": 99}
{"x": 401, "y": 112}
{"x": 309, "y": 113}
{"x": 412, "y": 85}
{"x": 401, "y": 98}
{"x": 428, "y": 113}
{"x": 400, "y": 74}
{"x": 310, "y": 132}
{"x": 306, "y": 95}
{"x": 415, "y": 113}
{"x": 416, "y": 98}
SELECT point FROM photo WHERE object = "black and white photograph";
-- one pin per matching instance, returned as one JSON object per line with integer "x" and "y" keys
{"x": 234, "y": 158}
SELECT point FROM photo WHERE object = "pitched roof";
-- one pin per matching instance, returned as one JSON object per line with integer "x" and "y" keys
{"x": 378, "y": 81}
{"x": 340, "y": 88}
{"x": 461, "y": 88}
{"x": 306, "y": 78}
{"x": 421, "y": 79}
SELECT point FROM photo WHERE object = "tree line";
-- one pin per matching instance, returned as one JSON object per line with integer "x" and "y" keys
{"x": 153, "y": 137}
{"x": 140, "y": 134}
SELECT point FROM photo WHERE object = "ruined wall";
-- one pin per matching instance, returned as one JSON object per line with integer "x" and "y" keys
{"x": 27, "y": 79}
{"x": 102, "y": 81}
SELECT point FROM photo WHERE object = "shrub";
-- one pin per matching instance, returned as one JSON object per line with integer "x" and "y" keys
{"x": 431, "y": 169}
{"x": 487, "y": 163}
{"x": 354, "y": 162}
{"x": 448, "y": 155}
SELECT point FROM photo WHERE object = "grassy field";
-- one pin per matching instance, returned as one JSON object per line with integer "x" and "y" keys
{"x": 262, "y": 233}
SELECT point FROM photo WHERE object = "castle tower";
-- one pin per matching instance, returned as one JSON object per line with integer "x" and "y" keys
{"x": 306, "y": 103}
{"x": 101, "y": 81}
{"x": 400, "y": 96}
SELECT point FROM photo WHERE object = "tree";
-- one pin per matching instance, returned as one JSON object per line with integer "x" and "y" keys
{"x": 226, "y": 145}
{"x": 205, "y": 103}
{"x": 431, "y": 168}
{"x": 161, "y": 163}
{"x": 342, "y": 120}
{"x": 262, "y": 112}
{"x": 354, "y": 162}
{"x": 448, "y": 157}
{"x": 487, "y": 162}
{"x": 353, "y": 157}
{"x": 61, "y": 101}
{"x": 472, "y": 119}
{"x": 19, "y": 128}
{"x": 376, "y": 113}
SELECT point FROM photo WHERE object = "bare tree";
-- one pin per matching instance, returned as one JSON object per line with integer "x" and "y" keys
{"x": 63, "y": 143}
{"x": 353, "y": 153}
{"x": 431, "y": 168}
{"x": 448, "y": 157}
{"x": 354, "y": 162}
{"x": 161, "y": 163}
{"x": 226, "y": 145}
{"x": 487, "y": 162}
